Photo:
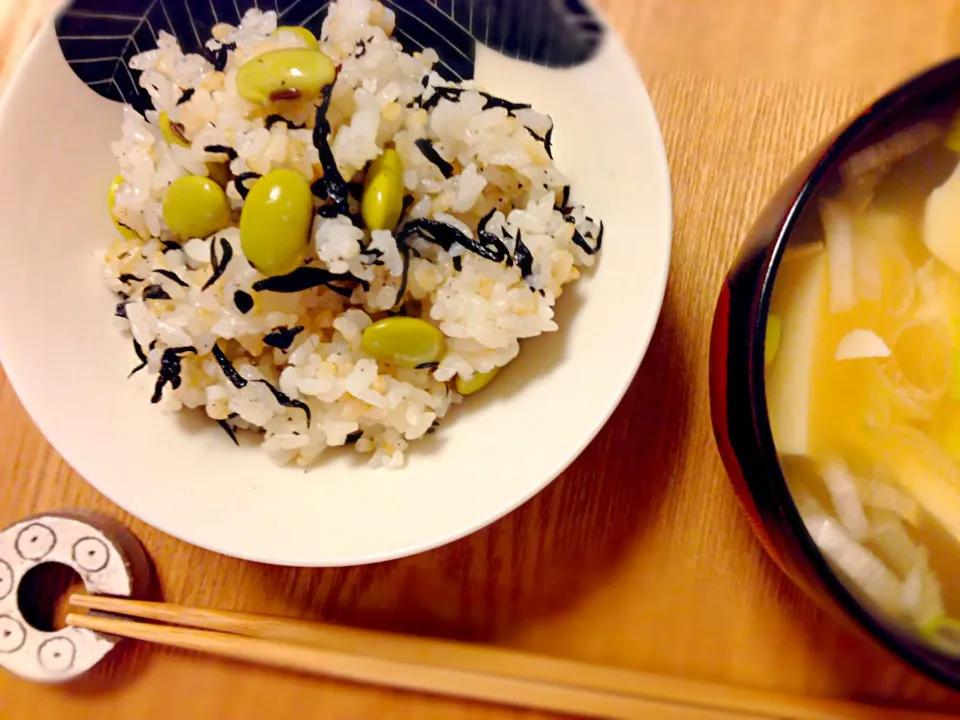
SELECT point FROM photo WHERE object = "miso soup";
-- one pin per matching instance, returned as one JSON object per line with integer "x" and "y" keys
{"x": 863, "y": 378}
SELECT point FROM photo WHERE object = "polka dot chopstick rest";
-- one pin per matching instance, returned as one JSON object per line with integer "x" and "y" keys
{"x": 107, "y": 557}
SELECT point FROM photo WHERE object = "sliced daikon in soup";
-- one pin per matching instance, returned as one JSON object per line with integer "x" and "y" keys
{"x": 941, "y": 227}
{"x": 799, "y": 300}
{"x": 864, "y": 390}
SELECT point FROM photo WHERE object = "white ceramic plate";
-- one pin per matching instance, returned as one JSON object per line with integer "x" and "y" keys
{"x": 68, "y": 363}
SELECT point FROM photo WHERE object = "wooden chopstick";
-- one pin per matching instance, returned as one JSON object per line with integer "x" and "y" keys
{"x": 456, "y": 669}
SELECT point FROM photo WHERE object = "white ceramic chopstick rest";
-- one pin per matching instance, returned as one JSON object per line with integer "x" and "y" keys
{"x": 108, "y": 558}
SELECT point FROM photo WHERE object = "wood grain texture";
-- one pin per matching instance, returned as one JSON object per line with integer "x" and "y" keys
{"x": 638, "y": 556}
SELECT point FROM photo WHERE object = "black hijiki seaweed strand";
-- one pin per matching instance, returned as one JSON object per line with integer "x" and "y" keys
{"x": 229, "y": 430}
{"x": 356, "y": 190}
{"x": 171, "y": 275}
{"x": 219, "y": 57}
{"x": 581, "y": 242}
{"x": 276, "y": 118}
{"x": 492, "y": 240}
{"x": 430, "y": 153}
{"x": 140, "y": 356}
{"x": 155, "y": 292}
{"x": 222, "y": 150}
{"x": 128, "y": 278}
{"x": 445, "y": 236}
{"x": 408, "y": 201}
{"x": 453, "y": 94}
{"x": 170, "y": 245}
{"x": 240, "y": 180}
{"x": 305, "y": 278}
{"x": 219, "y": 263}
{"x": 328, "y": 212}
{"x": 127, "y": 227}
{"x": 287, "y": 402}
{"x": 243, "y": 301}
{"x": 353, "y": 437}
{"x": 564, "y": 201}
{"x": 229, "y": 371}
{"x": 405, "y": 273}
{"x": 524, "y": 259}
{"x": 282, "y": 338}
{"x": 547, "y": 140}
{"x": 170, "y": 369}
{"x": 427, "y": 366}
{"x": 331, "y": 186}
{"x": 187, "y": 94}
{"x": 121, "y": 309}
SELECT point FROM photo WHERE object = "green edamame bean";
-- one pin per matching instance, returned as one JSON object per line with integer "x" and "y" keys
{"x": 404, "y": 341}
{"x": 288, "y": 74}
{"x": 172, "y": 132}
{"x": 301, "y": 32}
{"x": 196, "y": 207}
{"x": 382, "y": 201}
{"x": 477, "y": 383}
{"x": 111, "y": 201}
{"x": 275, "y": 222}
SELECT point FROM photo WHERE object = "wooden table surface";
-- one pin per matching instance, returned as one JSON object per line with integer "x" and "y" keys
{"x": 639, "y": 555}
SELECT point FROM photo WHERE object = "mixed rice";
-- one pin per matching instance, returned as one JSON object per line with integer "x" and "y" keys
{"x": 487, "y": 239}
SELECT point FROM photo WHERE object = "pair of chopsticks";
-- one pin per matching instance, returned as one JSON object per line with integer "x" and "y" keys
{"x": 452, "y": 669}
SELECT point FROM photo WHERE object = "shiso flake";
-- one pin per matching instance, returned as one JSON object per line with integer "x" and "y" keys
{"x": 430, "y": 153}
{"x": 285, "y": 94}
{"x": 235, "y": 378}
{"x": 170, "y": 368}
{"x": 180, "y": 131}
{"x": 282, "y": 338}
